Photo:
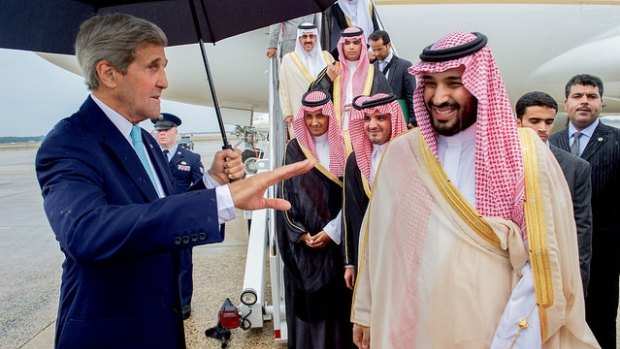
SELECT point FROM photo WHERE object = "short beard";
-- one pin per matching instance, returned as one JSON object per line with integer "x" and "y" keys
{"x": 459, "y": 125}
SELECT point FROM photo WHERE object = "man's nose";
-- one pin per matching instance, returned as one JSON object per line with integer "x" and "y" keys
{"x": 441, "y": 95}
{"x": 163, "y": 80}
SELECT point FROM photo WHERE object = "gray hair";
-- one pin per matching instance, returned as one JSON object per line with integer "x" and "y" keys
{"x": 114, "y": 38}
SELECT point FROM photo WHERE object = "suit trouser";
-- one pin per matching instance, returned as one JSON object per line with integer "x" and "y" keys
{"x": 602, "y": 303}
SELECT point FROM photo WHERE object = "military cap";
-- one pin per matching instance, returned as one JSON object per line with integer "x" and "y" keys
{"x": 166, "y": 121}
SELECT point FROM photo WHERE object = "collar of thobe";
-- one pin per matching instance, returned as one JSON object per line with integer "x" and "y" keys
{"x": 377, "y": 150}
{"x": 456, "y": 154}
{"x": 464, "y": 136}
{"x": 321, "y": 144}
{"x": 349, "y": 91}
{"x": 375, "y": 156}
{"x": 352, "y": 64}
{"x": 311, "y": 60}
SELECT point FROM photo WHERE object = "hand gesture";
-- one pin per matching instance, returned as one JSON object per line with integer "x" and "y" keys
{"x": 249, "y": 193}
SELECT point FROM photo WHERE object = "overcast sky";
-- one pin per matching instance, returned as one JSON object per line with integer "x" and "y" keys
{"x": 35, "y": 94}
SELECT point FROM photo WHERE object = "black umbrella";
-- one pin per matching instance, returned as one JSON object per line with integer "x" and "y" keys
{"x": 52, "y": 25}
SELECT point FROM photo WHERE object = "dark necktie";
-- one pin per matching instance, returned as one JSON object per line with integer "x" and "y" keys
{"x": 386, "y": 68}
{"x": 166, "y": 152}
{"x": 575, "y": 147}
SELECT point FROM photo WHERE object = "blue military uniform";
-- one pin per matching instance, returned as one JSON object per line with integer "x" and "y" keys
{"x": 186, "y": 169}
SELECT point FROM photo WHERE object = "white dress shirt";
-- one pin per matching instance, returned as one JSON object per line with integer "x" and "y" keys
{"x": 377, "y": 152}
{"x": 586, "y": 134}
{"x": 348, "y": 98}
{"x": 385, "y": 62}
{"x": 225, "y": 204}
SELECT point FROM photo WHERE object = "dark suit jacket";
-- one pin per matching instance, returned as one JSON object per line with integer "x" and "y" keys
{"x": 603, "y": 154}
{"x": 186, "y": 169}
{"x": 119, "y": 284}
{"x": 401, "y": 82}
{"x": 577, "y": 174}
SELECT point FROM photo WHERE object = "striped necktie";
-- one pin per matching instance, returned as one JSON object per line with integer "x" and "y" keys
{"x": 576, "y": 146}
{"x": 138, "y": 145}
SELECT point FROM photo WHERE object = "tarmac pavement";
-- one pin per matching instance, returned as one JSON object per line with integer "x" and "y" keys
{"x": 31, "y": 266}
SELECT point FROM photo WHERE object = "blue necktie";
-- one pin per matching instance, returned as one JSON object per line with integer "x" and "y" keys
{"x": 136, "y": 140}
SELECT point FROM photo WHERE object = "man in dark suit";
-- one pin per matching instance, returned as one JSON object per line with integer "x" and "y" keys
{"x": 599, "y": 144}
{"x": 537, "y": 110}
{"x": 186, "y": 169}
{"x": 395, "y": 70}
{"x": 107, "y": 193}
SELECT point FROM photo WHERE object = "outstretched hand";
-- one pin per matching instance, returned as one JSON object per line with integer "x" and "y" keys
{"x": 249, "y": 193}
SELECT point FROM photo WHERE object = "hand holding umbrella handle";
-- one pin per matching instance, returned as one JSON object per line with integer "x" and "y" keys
{"x": 227, "y": 166}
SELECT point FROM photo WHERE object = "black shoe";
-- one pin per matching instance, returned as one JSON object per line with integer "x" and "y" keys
{"x": 186, "y": 311}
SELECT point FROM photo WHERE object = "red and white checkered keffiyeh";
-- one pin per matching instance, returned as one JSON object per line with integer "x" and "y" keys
{"x": 498, "y": 160}
{"x": 334, "y": 134}
{"x": 359, "y": 140}
{"x": 359, "y": 77}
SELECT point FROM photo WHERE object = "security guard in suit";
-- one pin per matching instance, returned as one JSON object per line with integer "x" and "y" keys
{"x": 186, "y": 170}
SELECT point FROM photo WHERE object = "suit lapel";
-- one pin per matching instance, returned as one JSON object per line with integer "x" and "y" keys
{"x": 393, "y": 63}
{"x": 599, "y": 138}
{"x": 562, "y": 140}
{"x": 159, "y": 162}
{"x": 119, "y": 148}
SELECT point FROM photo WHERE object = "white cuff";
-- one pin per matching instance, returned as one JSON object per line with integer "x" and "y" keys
{"x": 225, "y": 204}
{"x": 333, "y": 228}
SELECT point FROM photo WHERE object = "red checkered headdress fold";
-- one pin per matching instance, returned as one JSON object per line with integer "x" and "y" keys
{"x": 498, "y": 160}
{"x": 359, "y": 77}
{"x": 311, "y": 102}
{"x": 385, "y": 104}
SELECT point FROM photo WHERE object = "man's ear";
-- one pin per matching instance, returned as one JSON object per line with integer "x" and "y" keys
{"x": 106, "y": 73}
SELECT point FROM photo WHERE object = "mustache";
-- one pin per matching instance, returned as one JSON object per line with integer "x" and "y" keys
{"x": 443, "y": 105}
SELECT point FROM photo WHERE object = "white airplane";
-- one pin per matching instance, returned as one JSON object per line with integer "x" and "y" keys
{"x": 538, "y": 45}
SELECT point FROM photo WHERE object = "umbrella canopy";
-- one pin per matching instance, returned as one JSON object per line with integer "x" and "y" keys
{"x": 52, "y": 25}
